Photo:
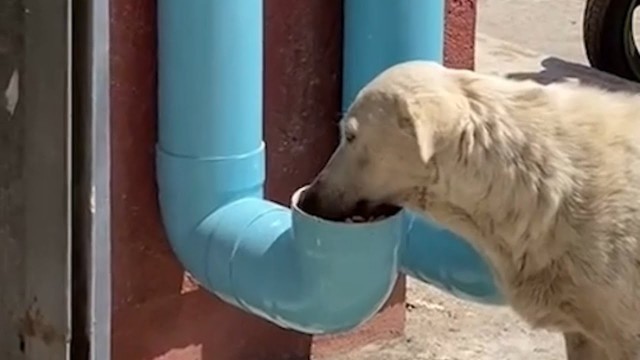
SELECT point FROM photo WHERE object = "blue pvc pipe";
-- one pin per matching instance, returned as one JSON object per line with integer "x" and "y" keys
{"x": 382, "y": 33}
{"x": 377, "y": 35}
{"x": 294, "y": 270}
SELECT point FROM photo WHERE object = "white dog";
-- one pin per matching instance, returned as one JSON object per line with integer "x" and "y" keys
{"x": 542, "y": 180}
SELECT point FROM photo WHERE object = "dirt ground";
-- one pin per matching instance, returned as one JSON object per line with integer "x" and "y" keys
{"x": 440, "y": 327}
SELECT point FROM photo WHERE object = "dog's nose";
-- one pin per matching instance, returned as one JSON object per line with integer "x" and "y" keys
{"x": 362, "y": 206}
{"x": 310, "y": 202}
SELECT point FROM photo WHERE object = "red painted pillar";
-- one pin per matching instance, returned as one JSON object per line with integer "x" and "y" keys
{"x": 460, "y": 33}
{"x": 157, "y": 312}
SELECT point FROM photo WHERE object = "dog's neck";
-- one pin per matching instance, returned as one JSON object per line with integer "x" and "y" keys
{"x": 500, "y": 189}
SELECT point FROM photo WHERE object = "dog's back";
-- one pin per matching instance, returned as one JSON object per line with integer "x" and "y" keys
{"x": 558, "y": 170}
{"x": 543, "y": 180}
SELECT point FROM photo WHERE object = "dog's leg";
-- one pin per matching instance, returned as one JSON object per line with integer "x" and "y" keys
{"x": 579, "y": 347}
{"x": 623, "y": 350}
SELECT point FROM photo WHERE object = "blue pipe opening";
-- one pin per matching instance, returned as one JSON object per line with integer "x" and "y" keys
{"x": 290, "y": 268}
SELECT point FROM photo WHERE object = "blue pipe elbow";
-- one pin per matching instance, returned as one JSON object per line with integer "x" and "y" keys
{"x": 379, "y": 34}
{"x": 299, "y": 271}
{"x": 292, "y": 269}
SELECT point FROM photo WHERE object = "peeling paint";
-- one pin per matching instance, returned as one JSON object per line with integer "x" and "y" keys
{"x": 12, "y": 92}
{"x": 92, "y": 200}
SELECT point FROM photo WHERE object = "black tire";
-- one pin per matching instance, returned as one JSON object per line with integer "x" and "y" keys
{"x": 608, "y": 37}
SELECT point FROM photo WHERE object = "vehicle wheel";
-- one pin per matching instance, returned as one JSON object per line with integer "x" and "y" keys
{"x": 608, "y": 37}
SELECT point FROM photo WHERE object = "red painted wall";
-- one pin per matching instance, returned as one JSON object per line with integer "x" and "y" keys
{"x": 157, "y": 312}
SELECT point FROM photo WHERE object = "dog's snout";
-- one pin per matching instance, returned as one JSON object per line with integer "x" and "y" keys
{"x": 317, "y": 201}
{"x": 309, "y": 201}
{"x": 362, "y": 205}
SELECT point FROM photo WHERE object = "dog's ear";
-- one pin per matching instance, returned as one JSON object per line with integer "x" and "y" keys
{"x": 413, "y": 121}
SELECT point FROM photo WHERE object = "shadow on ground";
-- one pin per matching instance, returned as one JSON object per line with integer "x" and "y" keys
{"x": 556, "y": 70}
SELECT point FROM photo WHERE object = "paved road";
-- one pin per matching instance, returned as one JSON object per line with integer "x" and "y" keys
{"x": 546, "y": 26}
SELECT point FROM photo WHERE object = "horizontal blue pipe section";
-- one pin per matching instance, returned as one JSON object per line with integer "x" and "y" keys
{"x": 436, "y": 256}
{"x": 292, "y": 269}
{"x": 379, "y": 34}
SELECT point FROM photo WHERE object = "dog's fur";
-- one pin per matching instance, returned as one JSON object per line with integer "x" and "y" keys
{"x": 543, "y": 180}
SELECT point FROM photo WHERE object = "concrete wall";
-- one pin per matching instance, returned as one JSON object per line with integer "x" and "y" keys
{"x": 35, "y": 181}
{"x": 158, "y": 313}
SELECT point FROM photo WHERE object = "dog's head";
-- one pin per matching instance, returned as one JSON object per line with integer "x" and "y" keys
{"x": 387, "y": 141}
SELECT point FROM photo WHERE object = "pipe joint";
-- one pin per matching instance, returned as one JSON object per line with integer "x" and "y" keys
{"x": 191, "y": 189}
{"x": 286, "y": 266}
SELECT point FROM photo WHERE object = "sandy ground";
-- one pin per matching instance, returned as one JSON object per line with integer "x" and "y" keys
{"x": 440, "y": 327}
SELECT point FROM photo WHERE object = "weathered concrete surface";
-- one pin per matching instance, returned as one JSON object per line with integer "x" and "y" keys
{"x": 545, "y": 26}
{"x": 12, "y": 193}
{"x": 440, "y": 327}
{"x": 34, "y": 180}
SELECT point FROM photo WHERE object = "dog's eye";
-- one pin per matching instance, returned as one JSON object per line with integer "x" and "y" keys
{"x": 349, "y": 136}
{"x": 350, "y": 129}
{"x": 404, "y": 122}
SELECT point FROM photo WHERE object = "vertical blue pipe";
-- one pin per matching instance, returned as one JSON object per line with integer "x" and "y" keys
{"x": 210, "y": 84}
{"x": 381, "y": 33}
{"x": 214, "y": 62}
{"x": 377, "y": 35}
